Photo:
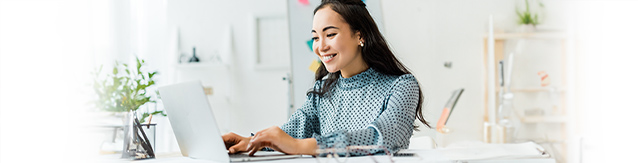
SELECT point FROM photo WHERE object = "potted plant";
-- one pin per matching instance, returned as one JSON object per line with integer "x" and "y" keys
{"x": 125, "y": 90}
{"x": 527, "y": 19}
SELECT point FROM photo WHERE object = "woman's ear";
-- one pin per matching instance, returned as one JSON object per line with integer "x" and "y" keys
{"x": 361, "y": 40}
{"x": 358, "y": 34}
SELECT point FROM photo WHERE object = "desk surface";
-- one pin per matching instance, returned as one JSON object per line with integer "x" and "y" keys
{"x": 423, "y": 156}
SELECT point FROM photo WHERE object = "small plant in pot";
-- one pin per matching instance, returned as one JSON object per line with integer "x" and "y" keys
{"x": 125, "y": 90}
{"x": 527, "y": 19}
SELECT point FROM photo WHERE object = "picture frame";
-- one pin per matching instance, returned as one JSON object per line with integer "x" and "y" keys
{"x": 269, "y": 41}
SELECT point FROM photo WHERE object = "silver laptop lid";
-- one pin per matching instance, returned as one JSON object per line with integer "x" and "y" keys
{"x": 193, "y": 121}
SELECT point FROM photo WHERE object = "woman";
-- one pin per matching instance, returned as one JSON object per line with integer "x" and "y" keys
{"x": 362, "y": 94}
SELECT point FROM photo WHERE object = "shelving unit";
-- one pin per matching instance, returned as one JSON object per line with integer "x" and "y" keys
{"x": 201, "y": 65}
{"x": 539, "y": 89}
{"x": 534, "y": 35}
{"x": 556, "y": 117}
{"x": 544, "y": 119}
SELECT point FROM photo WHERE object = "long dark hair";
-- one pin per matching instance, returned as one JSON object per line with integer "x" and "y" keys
{"x": 375, "y": 53}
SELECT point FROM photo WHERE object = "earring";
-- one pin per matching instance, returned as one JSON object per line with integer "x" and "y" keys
{"x": 361, "y": 43}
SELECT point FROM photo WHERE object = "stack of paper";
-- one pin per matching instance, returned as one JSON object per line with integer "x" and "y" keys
{"x": 493, "y": 151}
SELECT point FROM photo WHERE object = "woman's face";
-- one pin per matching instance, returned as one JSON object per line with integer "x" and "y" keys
{"x": 334, "y": 41}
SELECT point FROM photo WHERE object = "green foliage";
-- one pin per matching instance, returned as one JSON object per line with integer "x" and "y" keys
{"x": 126, "y": 91}
{"x": 526, "y": 17}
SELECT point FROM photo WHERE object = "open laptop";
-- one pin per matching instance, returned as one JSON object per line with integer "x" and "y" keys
{"x": 195, "y": 127}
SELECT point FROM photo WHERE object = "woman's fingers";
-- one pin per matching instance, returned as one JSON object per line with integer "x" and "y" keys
{"x": 254, "y": 141}
{"x": 239, "y": 147}
{"x": 250, "y": 143}
{"x": 258, "y": 142}
{"x": 254, "y": 150}
{"x": 235, "y": 143}
{"x": 232, "y": 150}
{"x": 231, "y": 139}
{"x": 270, "y": 137}
{"x": 264, "y": 138}
{"x": 252, "y": 146}
{"x": 257, "y": 145}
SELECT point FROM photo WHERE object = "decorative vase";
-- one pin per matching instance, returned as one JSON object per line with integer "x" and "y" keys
{"x": 194, "y": 58}
{"x": 136, "y": 143}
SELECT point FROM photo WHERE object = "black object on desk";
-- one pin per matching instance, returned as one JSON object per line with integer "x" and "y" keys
{"x": 194, "y": 58}
{"x": 137, "y": 145}
{"x": 144, "y": 141}
{"x": 404, "y": 155}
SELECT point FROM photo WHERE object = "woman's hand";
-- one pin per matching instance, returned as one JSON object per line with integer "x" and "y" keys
{"x": 235, "y": 143}
{"x": 277, "y": 139}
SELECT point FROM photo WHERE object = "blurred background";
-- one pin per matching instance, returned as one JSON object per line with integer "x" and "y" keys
{"x": 569, "y": 71}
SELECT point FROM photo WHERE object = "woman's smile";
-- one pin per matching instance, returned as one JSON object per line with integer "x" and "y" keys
{"x": 328, "y": 57}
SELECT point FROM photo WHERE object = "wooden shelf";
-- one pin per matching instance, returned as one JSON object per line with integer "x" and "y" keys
{"x": 558, "y": 134}
{"x": 533, "y": 35}
{"x": 543, "y": 119}
{"x": 538, "y": 89}
{"x": 537, "y": 141}
{"x": 201, "y": 65}
{"x": 550, "y": 142}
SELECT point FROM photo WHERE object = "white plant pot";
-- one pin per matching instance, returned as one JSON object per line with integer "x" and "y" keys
{"x": 527, "y": 28}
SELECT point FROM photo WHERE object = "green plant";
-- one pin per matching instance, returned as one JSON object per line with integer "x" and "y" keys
{"x": 122, "y": 92}
{"x": 526, "y": 17}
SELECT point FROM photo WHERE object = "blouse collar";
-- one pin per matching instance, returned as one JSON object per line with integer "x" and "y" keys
{"x": 358, "y": 80}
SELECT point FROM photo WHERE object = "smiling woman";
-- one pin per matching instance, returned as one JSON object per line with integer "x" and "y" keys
{"x": 337, "y": 44}
{"x": 362, "y": 94}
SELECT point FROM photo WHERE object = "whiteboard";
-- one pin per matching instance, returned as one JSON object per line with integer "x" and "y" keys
{"x": 300, "y": 24}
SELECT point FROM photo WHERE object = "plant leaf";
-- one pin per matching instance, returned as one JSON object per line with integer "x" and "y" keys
{"x": 150, "y": 75}
{"x": 114, "y": 70}
{"x": 125, "y": 92}
{"x": 139, "y": 64}
{"x": 143, "y": 119}
{"x": 161, "y": 112}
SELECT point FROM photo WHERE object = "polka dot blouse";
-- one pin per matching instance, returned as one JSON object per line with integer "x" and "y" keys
{"x": 369, "y": 108}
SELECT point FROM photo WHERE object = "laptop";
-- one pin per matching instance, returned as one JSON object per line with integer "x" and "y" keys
{"x": 195, "y": 127}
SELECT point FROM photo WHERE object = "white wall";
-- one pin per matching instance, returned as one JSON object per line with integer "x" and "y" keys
{"x": 245, "y": 99}
{"x": 45, "y": 55}
{"x": 425, "y": 34}
{"x": 606, "y": 86}
{"x": 260, "y": 96}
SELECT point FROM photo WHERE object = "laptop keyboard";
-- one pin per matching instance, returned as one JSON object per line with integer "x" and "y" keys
{"x": 240, "y": 155}
{"x": 260, "y": 156}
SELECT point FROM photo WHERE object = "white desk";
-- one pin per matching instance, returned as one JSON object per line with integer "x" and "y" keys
{"x": 434, "y": 155}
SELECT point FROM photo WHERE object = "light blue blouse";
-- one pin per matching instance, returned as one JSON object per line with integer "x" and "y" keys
{"x": 369, "y": 108}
